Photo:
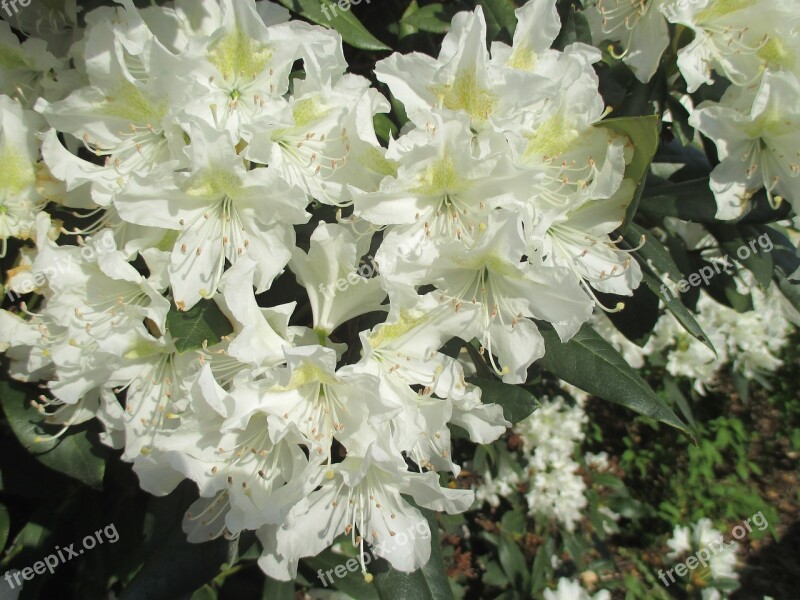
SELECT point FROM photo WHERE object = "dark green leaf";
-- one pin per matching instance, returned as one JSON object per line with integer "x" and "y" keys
{"x": 694, "y": 201}
{"x": 783, "y": 252}
{"x": 654, "y": 253}
{"x": 434, "y": 18}
{"x": 678, "y": 309}
{"x": 637, "y": 320}
{"x": 722, "y": 287}
{"x": 73, "y": 453}
{"x": 513, "y": 562}
{"x": 652, "y": 250}
{"x": 677, "y": 398}
{"x": 588, "y": 362}
{"x": 680, "y": 120}
{"x": 736, "y": 242}
{"x": 542, "y": 567}
{"x": 574, "y": 28}
{"x": 174, "y": 567}
{"x": 428, "y": 583}
{"x": 790, "y": 289}
{"x": 688, "y": 200}
{"x": 349, "y": 27}
{"x": 385, "y": 129}
{"x": 5, "y": 526}
{"x": 514, "y": 523}
{"x": 278, "y": 590}
{"x": 205, "y": 593}
{"x": 517, "y": 402}
{"x": 352, "y": 583}
{"x": 204, "y": 322}
{"x": 499, "y": 17}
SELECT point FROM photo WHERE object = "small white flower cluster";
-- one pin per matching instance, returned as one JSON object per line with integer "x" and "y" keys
{"x": 213, "y": 125}
{"x": 750, "y": 342}
{"x": 550, "y": 437}
{"x": 754, "y": 44}
{"x": 570, "y": 589}
{"x": 494, "y": 487}
{"x": 720, "y": 556}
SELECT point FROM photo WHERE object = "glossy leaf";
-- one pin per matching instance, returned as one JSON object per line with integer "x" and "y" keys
{"x": 5, "y": 526}
{"x": 588, "y": 362}
{"x": 517, "y": 402}
{"x": 174, "y": 567}
{"x": 204, "y": 322}
{"x": 73, "y": 453}
{"x": 433, "y": 18}
{"x": 349, "y": 27}
{"x": 500, "y": 17}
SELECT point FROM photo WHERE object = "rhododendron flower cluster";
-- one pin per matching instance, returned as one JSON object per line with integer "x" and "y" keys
{"x": 189, "y": 146}
{"x": 751, "y": 46}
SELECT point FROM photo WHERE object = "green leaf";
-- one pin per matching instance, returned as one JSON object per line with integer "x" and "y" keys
{"x": 637, "y": 321}
{"x": 5, "y": 526}
{"x": 643, "y": 135}
{"x": 680, "y": 120}
{"x": 434, "y": 18}
{"x": 513, "y": 562}
{"x": 542, "y": 567}
{"x": 428, "y": 583}
{"x": 588, "y": 362}
{"x": 499, "y": 17}
{"x": 688, "y": 200}
{"x": 174, "y": 567}
{"x": 349, "y": 27}
{"x": 278, "y": 590}
{"x": 517, "y": 402}
{"x": 205, "y": 593}
{"x": 758, "y": 261}
{"x": 653, "y": 253}
{"x": 204, "y": 322}
{"x": 73, "y": 453}
{"x": 31, "y": 537}
{"x": 784, "y": 252}
{"x": 694, "y": 201}
{"x": 790, "y": 289}
{"x": 514, "y": 523}
{"x": 723, "y": 288}
{"x": 352, "y": 583}
{"x": 384, "y": 127}
{"x": 574, "y": 28}
{"x": 404, "y": 29}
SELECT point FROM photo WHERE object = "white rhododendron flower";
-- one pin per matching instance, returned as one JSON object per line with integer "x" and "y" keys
{"x": 638, "y": 26}
{"x": 20, "y": 200}
{"x": 258, "y": 275}
{"x": 757, "y": 134}
{"x": 738, "y": 39}
{"x": 222, "y": 211}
